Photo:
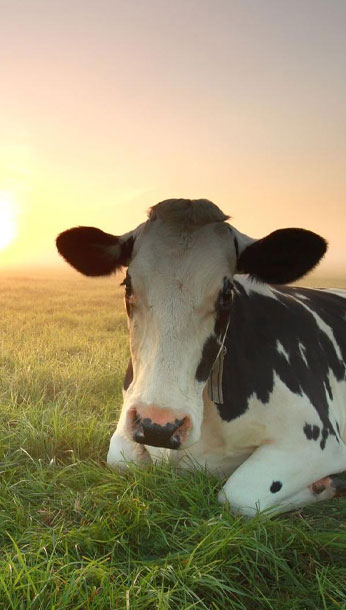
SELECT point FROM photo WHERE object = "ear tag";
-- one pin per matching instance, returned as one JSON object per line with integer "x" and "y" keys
{"x": 214, "y": 384}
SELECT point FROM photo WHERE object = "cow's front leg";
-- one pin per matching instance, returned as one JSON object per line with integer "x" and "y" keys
{"x": 122, "y": 450}
{"x": 280, "y": 478}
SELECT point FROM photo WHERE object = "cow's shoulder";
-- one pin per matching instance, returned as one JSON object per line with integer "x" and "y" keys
{"x": 293, "y": 334}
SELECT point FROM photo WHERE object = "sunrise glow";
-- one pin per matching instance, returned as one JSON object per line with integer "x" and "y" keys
{"x": 7, "y": 220}
{"x": 239, "y": 102}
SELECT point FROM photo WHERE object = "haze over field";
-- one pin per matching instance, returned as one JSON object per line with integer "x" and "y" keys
{"x": 109, "y": 107}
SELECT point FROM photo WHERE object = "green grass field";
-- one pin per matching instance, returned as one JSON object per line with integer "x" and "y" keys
{"x": 75, "y": 534}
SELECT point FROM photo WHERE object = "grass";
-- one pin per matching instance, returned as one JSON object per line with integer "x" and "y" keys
{"x": 75, "y": 535}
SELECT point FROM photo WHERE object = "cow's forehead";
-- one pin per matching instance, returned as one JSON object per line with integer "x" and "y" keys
{"x": 194, "y": 254}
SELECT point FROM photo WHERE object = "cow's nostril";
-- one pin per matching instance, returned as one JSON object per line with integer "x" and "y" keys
{"x": 147, "y": 432}
{"x": 175, "y": 441}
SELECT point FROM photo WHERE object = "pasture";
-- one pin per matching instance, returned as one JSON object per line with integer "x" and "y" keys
{"x": 75, "y": 535}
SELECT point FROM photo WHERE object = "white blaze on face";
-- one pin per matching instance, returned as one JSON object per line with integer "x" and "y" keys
{"x": 176, "y": 278}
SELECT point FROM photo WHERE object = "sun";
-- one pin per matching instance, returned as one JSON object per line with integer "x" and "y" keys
{"x": 8, "y": 225}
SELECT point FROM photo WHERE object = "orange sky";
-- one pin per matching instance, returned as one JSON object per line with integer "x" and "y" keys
{"x": 108, "y": 107}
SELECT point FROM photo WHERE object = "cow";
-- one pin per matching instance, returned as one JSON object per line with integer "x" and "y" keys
{"x": 231, "y": 369}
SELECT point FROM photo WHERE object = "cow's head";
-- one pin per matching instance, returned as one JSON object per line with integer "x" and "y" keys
{"x": 178, "y": 294}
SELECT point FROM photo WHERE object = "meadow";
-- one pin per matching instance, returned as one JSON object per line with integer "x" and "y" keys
{"x": 76, "y": 535}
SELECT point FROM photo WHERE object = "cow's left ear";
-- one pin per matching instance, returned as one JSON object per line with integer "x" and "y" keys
{"x": 282, "y": 256}
{"x": 93, "y": 252}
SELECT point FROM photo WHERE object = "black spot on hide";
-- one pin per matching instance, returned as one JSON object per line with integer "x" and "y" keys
{"x": 311, "y": 432}
{"x": 325, "y": 434}
{"x": 275, "y": 486}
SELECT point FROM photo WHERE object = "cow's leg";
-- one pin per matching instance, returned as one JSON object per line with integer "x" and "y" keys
{"x": 278, "y": 477}
{"x": 122, "y": 450}
{"x": 324, "y": 489}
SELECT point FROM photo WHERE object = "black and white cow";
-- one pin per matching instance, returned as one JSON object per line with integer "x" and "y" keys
{"x": 228, "y": 370}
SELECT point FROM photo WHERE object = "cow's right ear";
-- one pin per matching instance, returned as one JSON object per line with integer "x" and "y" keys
{"x": 93, "y": 252}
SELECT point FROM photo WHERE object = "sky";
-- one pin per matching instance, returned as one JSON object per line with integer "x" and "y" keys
{"x": 109, "y": 106}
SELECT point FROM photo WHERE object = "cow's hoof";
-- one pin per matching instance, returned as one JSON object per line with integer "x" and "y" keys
{"x": 339, "y": 485}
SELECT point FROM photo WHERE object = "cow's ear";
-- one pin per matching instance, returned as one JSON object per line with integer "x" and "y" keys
{"x": 93, "y": 252}
{"x": 283, "y": 256}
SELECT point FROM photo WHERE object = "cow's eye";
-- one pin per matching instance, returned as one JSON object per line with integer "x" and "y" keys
{"x": 128, "y": 286}
{"x": 226, "y": 294}
{"x": 226, "y": 300}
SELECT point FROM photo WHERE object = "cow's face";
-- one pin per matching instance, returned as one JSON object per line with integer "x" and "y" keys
{"x": 178, "y": 295}
{"x": 178, "y": 292}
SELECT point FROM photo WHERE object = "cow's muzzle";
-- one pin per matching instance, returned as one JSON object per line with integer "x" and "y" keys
{"x": 154, "y": 428}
